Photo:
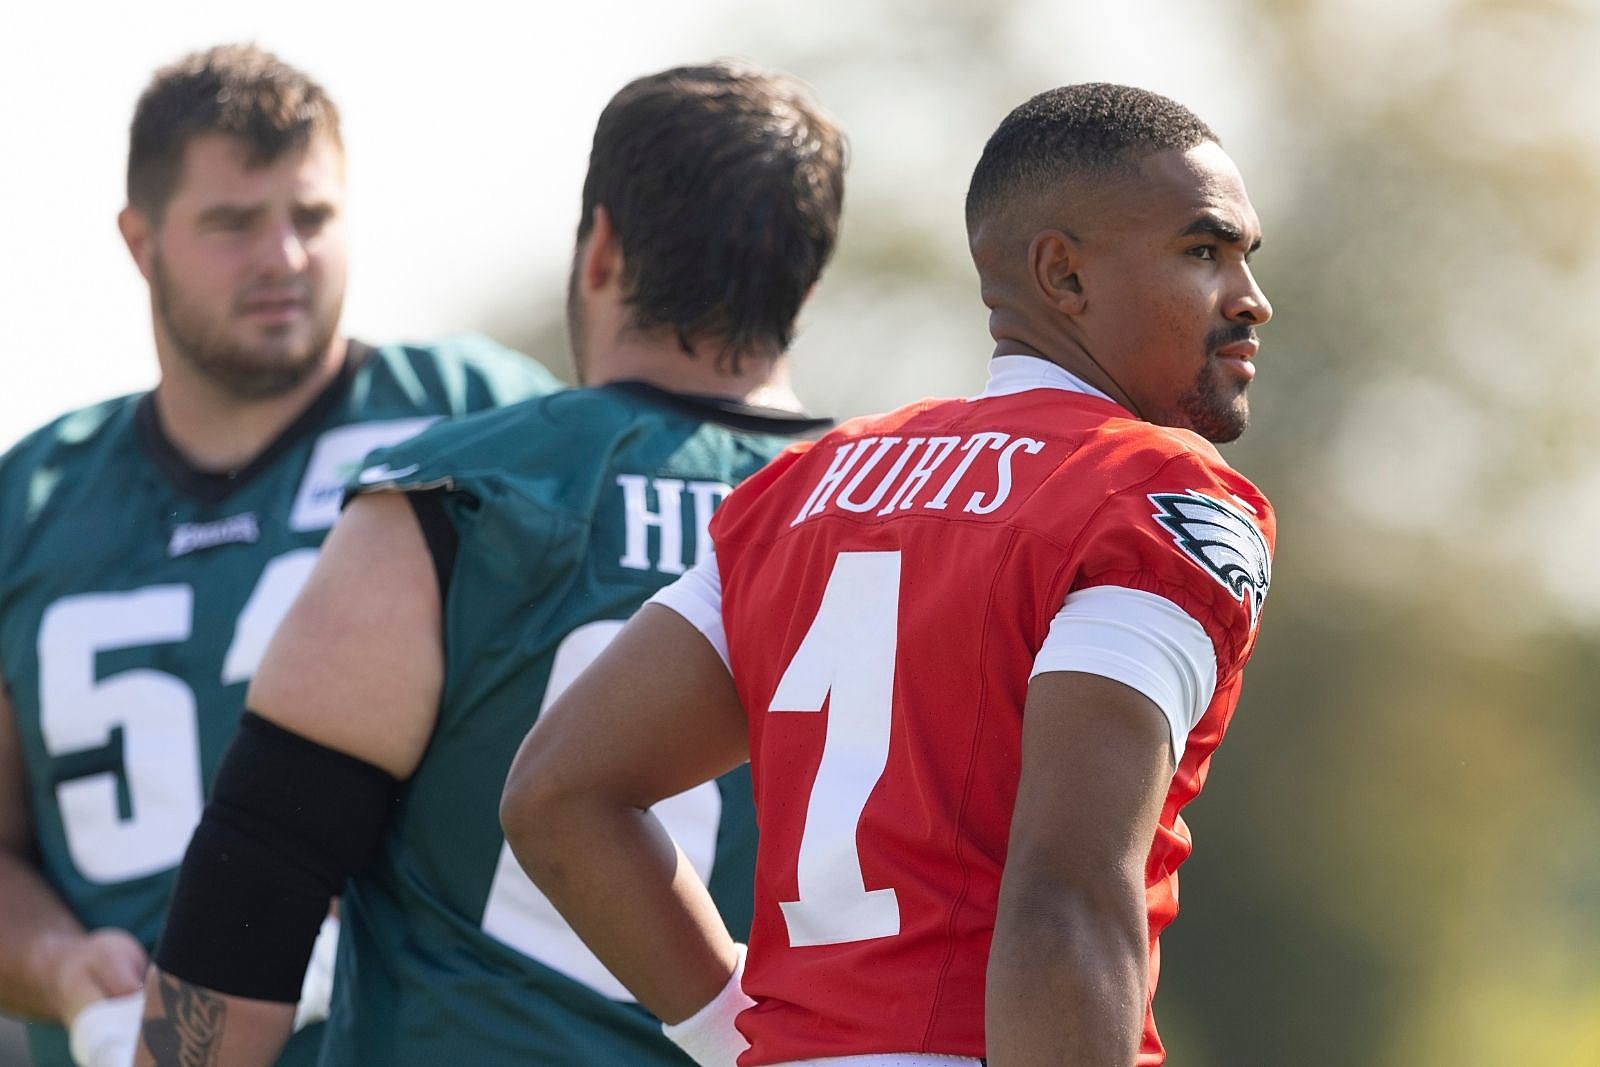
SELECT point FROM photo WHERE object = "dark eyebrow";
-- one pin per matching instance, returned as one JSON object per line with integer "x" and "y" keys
{"x": 1219, "y": 228}
{"x": 230, "y": 213}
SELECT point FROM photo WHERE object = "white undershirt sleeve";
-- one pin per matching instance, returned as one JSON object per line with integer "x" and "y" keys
{"x": 697, "y": 596}
{"x": 1142, "y": 640}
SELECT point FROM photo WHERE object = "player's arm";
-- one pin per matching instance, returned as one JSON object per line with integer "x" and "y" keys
{"x": 1067, "y": 979}
{"x": 340, "y": 712}
{"x": 654, "y": 715}
{"x": 50, "y": 968}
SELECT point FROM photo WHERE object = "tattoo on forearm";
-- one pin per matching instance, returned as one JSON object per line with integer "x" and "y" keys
{"x": 191, "y": 1033}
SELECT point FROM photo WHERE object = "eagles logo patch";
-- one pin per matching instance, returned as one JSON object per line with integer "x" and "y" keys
{"x": 1222, "y": 539}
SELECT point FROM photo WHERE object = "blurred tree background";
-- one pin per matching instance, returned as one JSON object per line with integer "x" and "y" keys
{"x": 1398, "y": 853}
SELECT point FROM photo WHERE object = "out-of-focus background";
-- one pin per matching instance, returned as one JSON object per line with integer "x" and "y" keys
{"x": 1398, "y": 854}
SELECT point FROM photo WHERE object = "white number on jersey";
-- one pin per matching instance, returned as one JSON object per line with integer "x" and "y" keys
{"x": 154, "y": 711}
{"x": 848, "y": 652}
{"x": 519, "y": 915}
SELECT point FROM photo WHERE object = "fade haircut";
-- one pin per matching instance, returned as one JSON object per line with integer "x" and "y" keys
{"x": 238, "y": 90}
{"x": 1096, "y": 130}
{"x": 724, "y": 184}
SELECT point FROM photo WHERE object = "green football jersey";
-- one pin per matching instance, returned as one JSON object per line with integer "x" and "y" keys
{"x": 567, "y": 512}
{"x": 137, "y": 596}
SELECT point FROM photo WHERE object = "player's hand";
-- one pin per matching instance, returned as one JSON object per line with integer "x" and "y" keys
{"x": 107, "y": 963}
{"x": 106, "y": 1032}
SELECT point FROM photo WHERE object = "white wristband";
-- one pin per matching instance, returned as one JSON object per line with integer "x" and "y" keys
{"x": 106, "y": 1032}
{"x": 709, "y": 1036}
{"x": 316, "y": 991}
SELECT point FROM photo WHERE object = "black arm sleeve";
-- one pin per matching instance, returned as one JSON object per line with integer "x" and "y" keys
{"x": 288, "y": 822}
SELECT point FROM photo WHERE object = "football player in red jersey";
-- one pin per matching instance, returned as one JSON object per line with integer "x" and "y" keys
{"x": 979, "y": 652}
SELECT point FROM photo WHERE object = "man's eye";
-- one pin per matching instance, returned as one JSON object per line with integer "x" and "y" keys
{"x": 312, "y": 221}
{"x": 1204, "y": 252}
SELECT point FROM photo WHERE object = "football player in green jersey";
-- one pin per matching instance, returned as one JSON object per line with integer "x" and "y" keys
{"x": 149, "y": 544}
{"x": 476, "y": 569}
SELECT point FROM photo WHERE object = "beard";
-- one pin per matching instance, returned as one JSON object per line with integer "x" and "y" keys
{"x": 1215, "y": 405}
{"x": 260, "y": 371}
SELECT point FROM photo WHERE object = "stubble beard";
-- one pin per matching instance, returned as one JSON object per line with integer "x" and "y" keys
{"x": 243, "y": 372}
{"x": 1215, "y": 407}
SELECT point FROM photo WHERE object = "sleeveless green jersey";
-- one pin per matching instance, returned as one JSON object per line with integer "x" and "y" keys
{"x": 137, "y": 596}
{"x": 568, "y": 512}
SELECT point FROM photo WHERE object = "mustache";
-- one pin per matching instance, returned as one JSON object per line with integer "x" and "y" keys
{"x": 1232, "y": 334}
{"x": 295, "y": 290}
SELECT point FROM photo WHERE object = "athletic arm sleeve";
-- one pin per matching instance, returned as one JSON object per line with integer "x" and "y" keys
{"x": 288, "y": 821}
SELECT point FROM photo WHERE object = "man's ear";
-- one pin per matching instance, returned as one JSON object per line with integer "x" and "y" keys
{"x": 137, "y": 234}
{"x": 1055, "y": 260}
{"x": 601, "y": 265}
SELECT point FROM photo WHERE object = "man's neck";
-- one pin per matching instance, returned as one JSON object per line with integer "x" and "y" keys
{"x": 762, "y": 378}
{"x": 1072, "y": 358}
{"x": 216, "y": 431}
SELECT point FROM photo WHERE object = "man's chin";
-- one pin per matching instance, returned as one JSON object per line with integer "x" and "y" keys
{"x": 1217, "y": 420}
{"x": 1221, "y": 435}
{"x": 260, "y": 372}
{"x": 274, "y": 340}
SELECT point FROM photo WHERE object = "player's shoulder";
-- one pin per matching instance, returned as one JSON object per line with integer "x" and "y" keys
{"x": 456, "y": 374}
{"x": 66, "y": 445}
{"x": 760, "y": 501}
{"x": 559, "y": 422}
{"x": 542, "y": 438}
{"x": 84, "y": 454}
{"x": 1128, "y": 456}
{"x": 1165, "y": 513}
{"x": 462, "y": 350}
{"x": 852, "y": 432}
{"x": 76, "y": 430}
{"x": 932, "y": 410}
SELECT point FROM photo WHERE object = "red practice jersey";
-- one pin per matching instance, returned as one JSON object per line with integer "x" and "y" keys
{"x": 885, "y": 593}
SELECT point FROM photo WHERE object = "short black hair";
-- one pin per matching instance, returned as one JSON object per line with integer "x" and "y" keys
{"x": 724, "y": 184}
{"x": 1095, "y": 128}
{"x": 239, "y": 90}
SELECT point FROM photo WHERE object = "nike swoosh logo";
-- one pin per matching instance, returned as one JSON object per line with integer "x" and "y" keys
{"x": 384, "y": 473}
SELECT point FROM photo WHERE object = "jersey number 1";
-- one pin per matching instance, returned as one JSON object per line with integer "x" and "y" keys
{"x": 846, "y": 659}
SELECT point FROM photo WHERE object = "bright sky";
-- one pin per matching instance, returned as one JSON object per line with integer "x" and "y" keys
{"x": 467, "y": 127}
{"x": 467, "y": 140}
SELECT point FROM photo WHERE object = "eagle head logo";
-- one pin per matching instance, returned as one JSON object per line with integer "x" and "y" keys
{"x": 1222, "y": 539}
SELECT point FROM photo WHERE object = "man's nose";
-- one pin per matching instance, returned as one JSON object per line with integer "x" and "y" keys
{"x": 1250, "y": 304}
